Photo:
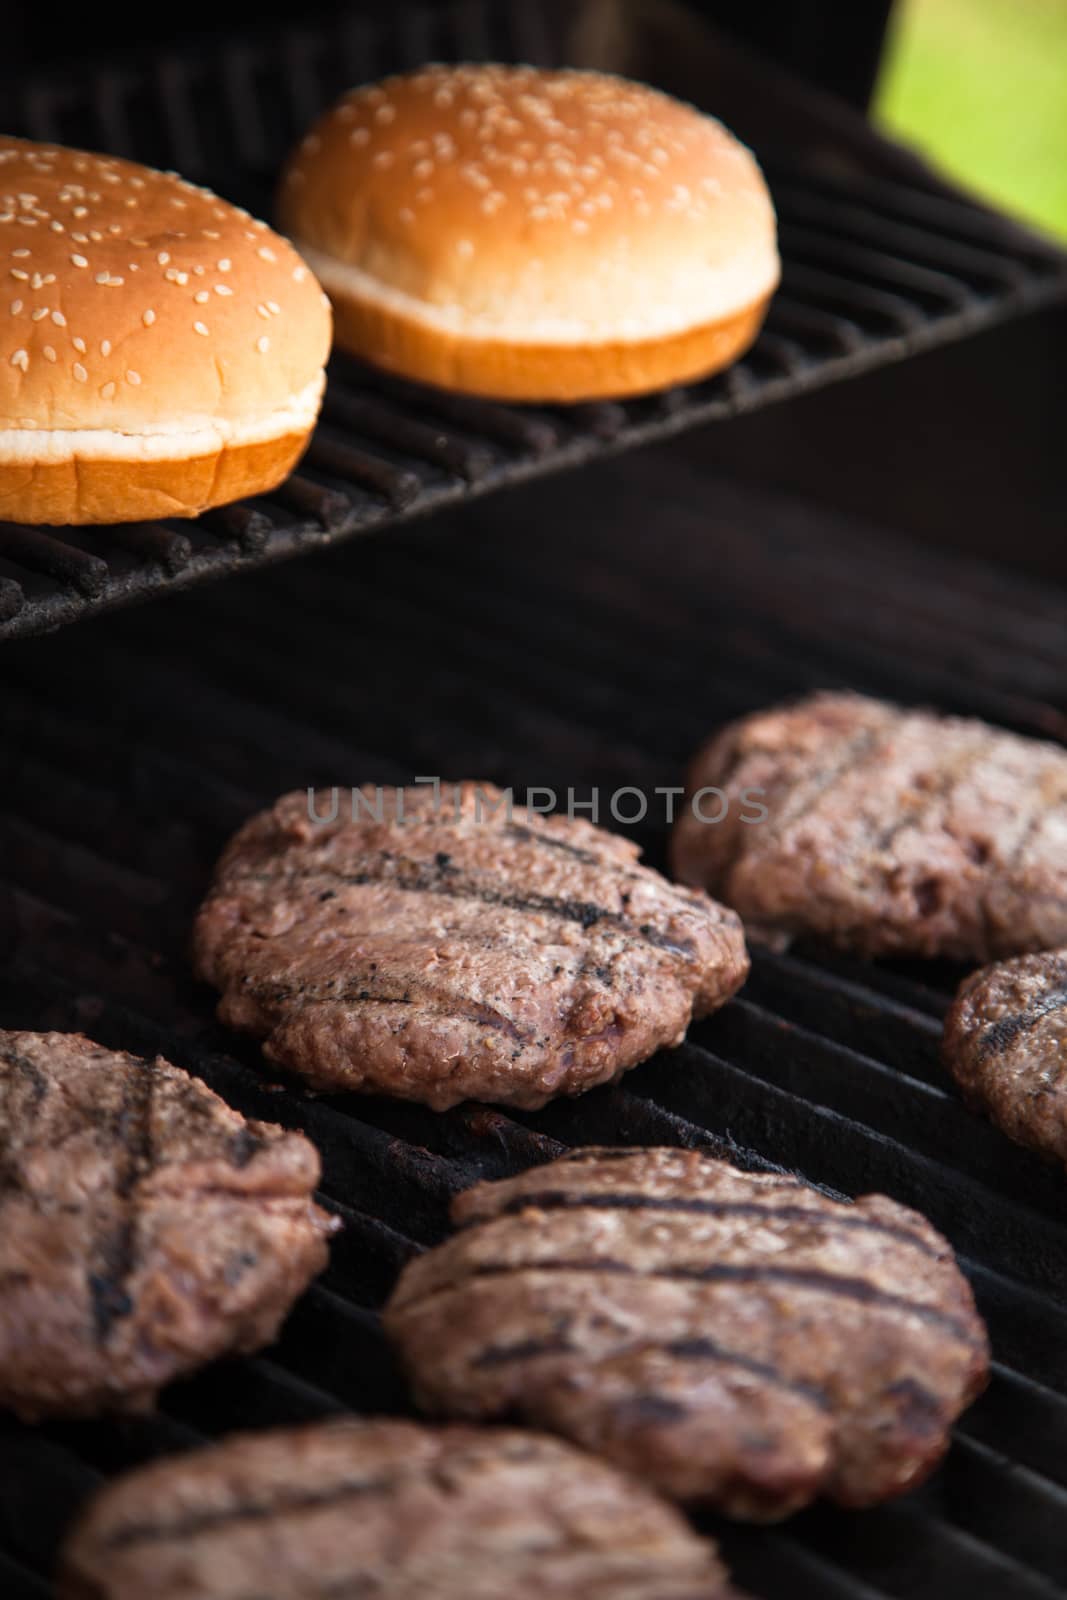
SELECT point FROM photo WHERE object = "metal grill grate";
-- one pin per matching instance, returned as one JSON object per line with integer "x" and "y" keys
{"x": 875, "y": 270}
{"x": 540, "y": 644}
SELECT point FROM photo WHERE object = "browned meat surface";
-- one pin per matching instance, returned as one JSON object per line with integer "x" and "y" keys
{"x": 737, "y": 1339}
{"x": 889, "y": 832}
{"x": 348, "y": 1509}
{"x": 145, "y": 1228}
{"x": 456, "y": 955}
{"x": 1006, "y": 1046}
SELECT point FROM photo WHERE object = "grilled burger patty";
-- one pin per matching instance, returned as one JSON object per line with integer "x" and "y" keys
{"x": 145, "y": 1228}
{"x": 457, "y": 952}
{"x": 738, "y": 1339}
{"x": 888, "y": 832}
{"x": 390, "y": 1509}
{"x": 1006, "y": 1046}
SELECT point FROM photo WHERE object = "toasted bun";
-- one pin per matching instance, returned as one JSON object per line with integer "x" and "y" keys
{"x": 160, "y": 351}
{"x": 533, "y": 235}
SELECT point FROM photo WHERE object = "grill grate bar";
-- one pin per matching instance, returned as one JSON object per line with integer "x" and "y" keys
{"x": 902, "y": 244}
{"x": 44, "y": 553}
{"x": 18, "y": 1580}
{"x": 806, "y": 242}
{"x": 172, "y": 83}
{"x": 153, "y": 541}
{"x": 466, "y": 460}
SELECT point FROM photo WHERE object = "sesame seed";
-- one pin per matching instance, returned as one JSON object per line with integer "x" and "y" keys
{"x": 201, "y": 297}
{"x": 102, "y": 277}
{"x": 49, "y": 353}
{"x": 108, "y": 391}
{"x": 200, "y": 327}
{"x": 265, "y": 253}
{"x": 59, "y": 319}
{"x": 223, "y": 288}
{"x": 79, "y": 372}
{"x": 133, "y": 377}
{"x": 262, "y": 311}
{"x": 21, "y": 359}
{"x": 148, "y": 317}
{"x": 299, "y": 274}
{"x": 163, "y": 257}
{"x": 79, "y": 345}
{"x": 17, "y": 272}
{"x": 21, "y": 252}
{"x": 40, "y": 314}
{"x": 79, "y": 261}
{"x": 16, "y": 307}
{"x": 263, "y": 344}
{"x": 225, "y": 264}
{"x": 105, "y": 347}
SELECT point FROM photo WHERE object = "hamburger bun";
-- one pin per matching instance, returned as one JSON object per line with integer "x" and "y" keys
{"x": 533, "y": 235}
{"x": 160, "y": 351}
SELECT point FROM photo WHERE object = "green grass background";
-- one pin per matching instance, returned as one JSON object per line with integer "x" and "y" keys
{"x": 980, "y": 87}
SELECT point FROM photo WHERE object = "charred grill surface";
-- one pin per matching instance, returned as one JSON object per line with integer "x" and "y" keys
{"x": 548, "y": 638}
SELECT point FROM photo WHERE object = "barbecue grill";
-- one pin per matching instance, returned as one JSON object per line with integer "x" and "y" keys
{"x": 546, "y": 636}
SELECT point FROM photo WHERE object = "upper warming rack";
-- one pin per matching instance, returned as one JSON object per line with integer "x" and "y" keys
{"x": 875, "y": 268}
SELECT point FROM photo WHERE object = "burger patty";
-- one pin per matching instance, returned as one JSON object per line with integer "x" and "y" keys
{"x": 346, "y": 1509}
{"x": 450, "y": 951}
{"x": 888, "y": 832}
{"x": 1006, "y": 1046}
{"x": 145, "y": 1228}
{"x": 736, "y": 1338}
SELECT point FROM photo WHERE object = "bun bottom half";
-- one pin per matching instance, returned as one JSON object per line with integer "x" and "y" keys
{"x": 76, "y": 491}
{"x": 499, "y": 370}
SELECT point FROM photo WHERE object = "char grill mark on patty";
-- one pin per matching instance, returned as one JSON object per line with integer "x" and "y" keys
{"x": 828, "y": 1283}
{"x": 529, "y": 835}
{"x": 694, "y": 1349}
{"x": 428, "y": 877}
{"x": 568, "y": 1200}
{"x": 998, "y": 1036}
{"x": 945, "y": 783}
{"x": 280, "y": 1504}
{"x": 492, "y": 1511}
{"x": 423, "y": 995}
{"x": 114, "y": 1257}
{"x": 806, "y": 797}
{"x": 739, "y": 1340}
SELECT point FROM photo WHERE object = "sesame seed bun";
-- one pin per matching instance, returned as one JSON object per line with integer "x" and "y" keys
{"x": 533, "y": 235}
{"x": 160, "y": 351}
